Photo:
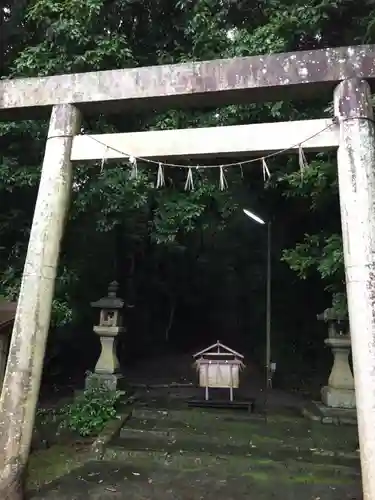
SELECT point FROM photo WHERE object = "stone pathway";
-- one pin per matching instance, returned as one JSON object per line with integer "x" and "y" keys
{"x": 168, "y": 451}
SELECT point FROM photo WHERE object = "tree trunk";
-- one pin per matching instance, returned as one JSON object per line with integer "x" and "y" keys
{"x": 172, "y": 312}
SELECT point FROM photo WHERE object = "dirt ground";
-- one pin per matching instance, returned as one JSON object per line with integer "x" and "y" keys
{"x": 169, "y": 451}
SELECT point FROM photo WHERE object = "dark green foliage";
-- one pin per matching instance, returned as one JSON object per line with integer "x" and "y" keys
{"x": 173, "y": 247}
{"x": 89, "y": 412}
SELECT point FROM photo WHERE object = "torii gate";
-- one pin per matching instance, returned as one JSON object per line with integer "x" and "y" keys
{"x": 210, "y": 83}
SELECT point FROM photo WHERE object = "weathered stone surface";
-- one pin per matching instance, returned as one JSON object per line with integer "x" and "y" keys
{"x": 21, "y": 384}
{"x": 339, "y": 393}
{"x": 107, "y": 381}
{"x": 338, "y": 398}
{"x": 318, "y": 412}
{"x": 356, "y": 175}
{"x": 108, "y": 330}
{"x": 233, "y": 141}
{"x": 207, "y": 83}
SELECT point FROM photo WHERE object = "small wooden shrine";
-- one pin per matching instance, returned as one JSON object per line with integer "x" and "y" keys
{"x": 219, "y": 367}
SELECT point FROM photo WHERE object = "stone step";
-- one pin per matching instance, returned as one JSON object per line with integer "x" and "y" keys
{"x": 192, "y": 422}
{"x": 130, "y": 432}
{"x": 257, "y": 444}
{"x": 279, "y": 433}
{"x": 158, "y": 477}
{"x": 206, "y": 444}
{"x": 233, "y": 464}
{"x": 166, "y": 409}
{"x": 170, "y": 401}
{"x": 184, "y": 413}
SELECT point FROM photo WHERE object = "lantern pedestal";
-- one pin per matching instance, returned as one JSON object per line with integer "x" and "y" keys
{"x": 338, "y": 396}
{"x": 339, "y": 393}
{"x": 108, "y": 381}
{"x": 107, "y": 369}
{"x": 108, "y": 362}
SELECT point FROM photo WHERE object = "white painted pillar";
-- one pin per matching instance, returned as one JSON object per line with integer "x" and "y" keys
{"x": 27, "y": 348}
{"x": 356, "y": 173}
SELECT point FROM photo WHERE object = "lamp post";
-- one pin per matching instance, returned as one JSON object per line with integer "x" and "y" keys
{"x": 257, "y": 219}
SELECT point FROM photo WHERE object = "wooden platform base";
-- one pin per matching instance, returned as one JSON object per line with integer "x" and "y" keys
{"x": 221, "y": 404}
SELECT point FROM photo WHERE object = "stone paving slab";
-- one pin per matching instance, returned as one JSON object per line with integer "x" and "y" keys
{"x": 112, "y": 481}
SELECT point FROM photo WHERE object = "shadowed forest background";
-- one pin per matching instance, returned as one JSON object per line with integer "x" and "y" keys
{"x": 191, "y": 266}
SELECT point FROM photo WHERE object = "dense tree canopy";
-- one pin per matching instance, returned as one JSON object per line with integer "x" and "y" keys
{"x": 185, "y": 259}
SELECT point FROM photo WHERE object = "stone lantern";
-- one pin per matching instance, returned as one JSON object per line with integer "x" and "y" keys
{"x": 107, "y": 369}
{"x": 339, "y": 392}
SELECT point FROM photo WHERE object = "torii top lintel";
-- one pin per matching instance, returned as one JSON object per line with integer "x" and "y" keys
{"x": 209, "y": 83}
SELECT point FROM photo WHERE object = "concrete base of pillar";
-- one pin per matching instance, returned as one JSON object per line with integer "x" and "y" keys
{"x": 108, "y": 381}
{"x": 338, "y": 398}
{"x": 319, "y": 412}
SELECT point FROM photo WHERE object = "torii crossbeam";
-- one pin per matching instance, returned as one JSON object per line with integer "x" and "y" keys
{"x": 348, "y": 70}
{"x": 215, "y": 83}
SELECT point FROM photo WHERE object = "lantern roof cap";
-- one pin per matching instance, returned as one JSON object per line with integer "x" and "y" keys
{"x": 331, "y": 315}
{"x": 111, "y": 301}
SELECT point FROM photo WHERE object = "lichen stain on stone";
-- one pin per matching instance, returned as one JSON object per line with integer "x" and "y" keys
{"x": 187, "y": 79}
{"x": 353, "y": 99}
{"x": 303, "y": 72}
{"x": 351, "y": 165}
{"x": 371, "y": 290}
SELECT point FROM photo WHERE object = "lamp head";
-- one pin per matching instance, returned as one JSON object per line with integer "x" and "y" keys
{"x": 253, "y": 216}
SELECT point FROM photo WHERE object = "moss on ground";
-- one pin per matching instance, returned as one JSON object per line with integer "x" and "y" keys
{"x": 47, "y": 465}
{"x": 192, "y": 454}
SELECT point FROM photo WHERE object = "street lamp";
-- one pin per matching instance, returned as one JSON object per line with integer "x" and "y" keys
{"x": 269, "y": 368}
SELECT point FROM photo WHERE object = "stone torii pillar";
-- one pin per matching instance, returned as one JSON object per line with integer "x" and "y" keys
{"x": 26, "y": 353}
{"x": 356, "y": 174}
